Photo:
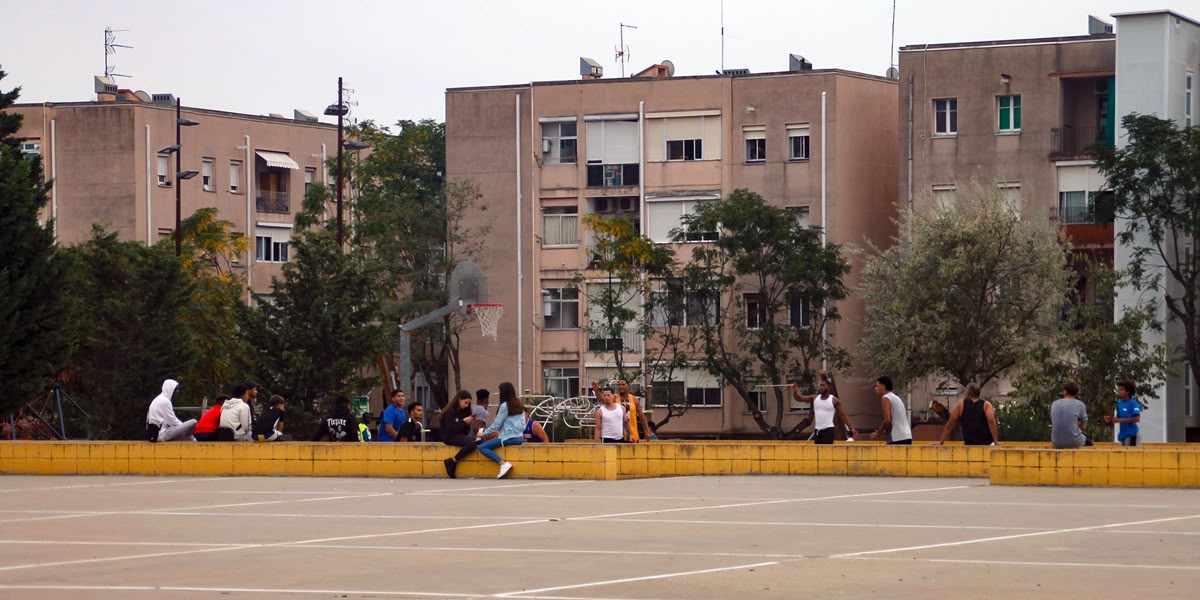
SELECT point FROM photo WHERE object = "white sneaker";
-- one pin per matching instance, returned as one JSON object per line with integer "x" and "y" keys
{"x": 505, "y": 467}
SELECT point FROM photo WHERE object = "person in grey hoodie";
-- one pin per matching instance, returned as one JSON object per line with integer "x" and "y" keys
{"x": 161, "y": 423}
{"x": 235, "y": 418}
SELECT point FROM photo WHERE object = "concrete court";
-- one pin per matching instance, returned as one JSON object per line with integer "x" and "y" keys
{"x": 685, "y": 537}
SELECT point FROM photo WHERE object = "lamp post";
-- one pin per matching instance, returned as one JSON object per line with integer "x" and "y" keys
{"x": 180, "y": 175}
{"x": 340, "y": 109}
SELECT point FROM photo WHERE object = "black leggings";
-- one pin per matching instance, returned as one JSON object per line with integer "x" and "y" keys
{"x": 823, "y": 436}
{"x": 467, "y": 442}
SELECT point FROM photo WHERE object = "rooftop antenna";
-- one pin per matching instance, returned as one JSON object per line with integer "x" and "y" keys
{"x": 892, "y": 45}
{"x": 623, "y": 50}
{"x": 110, "y": 47}
{"x": 722, "y": 36}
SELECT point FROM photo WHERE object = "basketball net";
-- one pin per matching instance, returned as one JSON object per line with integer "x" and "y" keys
{"x": 489, "y": 318}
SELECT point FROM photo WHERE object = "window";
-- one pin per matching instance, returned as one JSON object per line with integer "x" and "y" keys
{"x": 945, "y": 116}
{"x": 1008, "y": 113}
{"x": 560, "y": 225}
{"x": 235, "y": 175}
{"x": 686, "y": 309}
{"x": 271, "y": 248}
{"x": 1010, "y": 192}
{"x": 164, "y": 167}
{"x": 310, "y": 175}
{"x": 798, "y": 141}
{"x": 756, "y": 143}
{"x": 759, "y": 398}
{"x": 612, "y": 142}
{"x": 943, "y": 195}
{"x": 801, "y": 214}
{"x": 560, "y": 308}
{"x": 1075, "y": 208}
{"x": 1189, "y": 395}
{"x": 685, "y": 149}
{"x": 667, "y": 214}
{"x": 799, "y": 315}
{"x": 561, "y": 382}
{"x": 206, "y": 175}
{"x": 1187, "y": 99}
{"x": 30, "y": 149}
{"x": 694, "y": 386}
{"x": 755, "y": 309}
{"x": 559, "y": 143}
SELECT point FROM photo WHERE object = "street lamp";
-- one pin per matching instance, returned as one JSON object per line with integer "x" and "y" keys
{"x": 180, "y": 175}
{"x": 340, "y": 109}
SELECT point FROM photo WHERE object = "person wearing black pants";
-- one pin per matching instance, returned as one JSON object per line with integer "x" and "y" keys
{"x": 456, "y": 429}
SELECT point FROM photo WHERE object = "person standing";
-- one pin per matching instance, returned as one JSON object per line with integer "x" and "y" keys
{"x": 639, "y": 426}
{"x": 1129, "y": 413}
{"x": 826, "y": 410}
{"x": 1068, "y": 419}
{"x": 978, "y": 419}
{"x": 506, "y": 429}
{"x": 456, "y": 430}
{"x": 340, "y": 425}
{"x": 162, "y": 425}
{"x": 895, "y": 425}
{"x": 235, "y": 418}
{"x": 413, "y": 429}
{"x": 612, "y": 426}
{"x": 269, "y": 426}
{"x": 392, "y": 418}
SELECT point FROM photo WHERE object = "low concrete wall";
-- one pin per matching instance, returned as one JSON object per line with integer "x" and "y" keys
{"x": 1165, "y": 465}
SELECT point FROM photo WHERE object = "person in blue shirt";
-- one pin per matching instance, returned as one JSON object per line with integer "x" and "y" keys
{"x": 1129, "y": 413}
{"x": 392, "y": 418}
{"x": 507, "y": 429}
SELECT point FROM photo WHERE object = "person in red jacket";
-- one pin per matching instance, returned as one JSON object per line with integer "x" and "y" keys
{"x": 206, "y": 428}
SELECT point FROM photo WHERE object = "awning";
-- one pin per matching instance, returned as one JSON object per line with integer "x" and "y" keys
{"x": 278, "y": 160}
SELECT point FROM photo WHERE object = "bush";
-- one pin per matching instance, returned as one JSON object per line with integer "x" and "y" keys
{"x": 1019, "y": 421}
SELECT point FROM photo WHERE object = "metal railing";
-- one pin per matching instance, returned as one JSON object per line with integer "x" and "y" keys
{"x": 1076, "y": 141}
{"x": 273, "y": 202}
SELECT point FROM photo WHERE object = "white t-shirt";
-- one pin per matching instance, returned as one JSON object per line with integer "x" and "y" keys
{"x": 823, "y": 411}
{"x": 612, "y": 422}
{"x": 901, "y": 430}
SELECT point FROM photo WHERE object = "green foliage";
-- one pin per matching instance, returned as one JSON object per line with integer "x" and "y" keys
{"x": 320, "y": 328}
{"x": 129, "y": 303}
{"x": 34, "y": 329}
{"x": 969, "y": 292}
{"x": 1020, "y": 421}
{"x": 1155, "y": 184}
{"x": 765, "y": 255}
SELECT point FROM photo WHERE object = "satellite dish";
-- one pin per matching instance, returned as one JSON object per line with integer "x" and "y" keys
{"x": 670, "y": 67}
{"x": 143, "y": 96}
{"x": 892, "y": 73}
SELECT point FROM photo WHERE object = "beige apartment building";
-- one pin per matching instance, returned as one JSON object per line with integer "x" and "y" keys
{"x": 111, "y": 164}
{"x": 653, "y": 146}
{"x": 1018, "y": 115}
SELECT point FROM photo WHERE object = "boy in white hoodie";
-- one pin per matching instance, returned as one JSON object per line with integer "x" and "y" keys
{"x": 161, "y": 423}
{"x": 235, "y": 418}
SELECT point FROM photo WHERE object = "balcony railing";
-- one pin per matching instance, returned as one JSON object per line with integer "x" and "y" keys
{"x": 273, "y": 202}
{"x": 600, "y": 175}
{"x": 1071, "y": 141}
{"x": 1075, "y": 215}
{"x": 629, "y": 341}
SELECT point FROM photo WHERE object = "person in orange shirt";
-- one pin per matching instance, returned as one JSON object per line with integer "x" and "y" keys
{"x": 639, "y": 425}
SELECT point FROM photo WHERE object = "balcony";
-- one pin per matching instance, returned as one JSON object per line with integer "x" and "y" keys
{"x": 273, "y": 202}
{"x": 1074, "y": 143}
{"x": 601, "y": 175}
{"x": 1083, "y": 227}
{"x": 629, "y": 342}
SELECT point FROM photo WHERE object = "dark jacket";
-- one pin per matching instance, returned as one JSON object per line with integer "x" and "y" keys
{"x": 340, "y": 426}
{"x": 452, "y": 421}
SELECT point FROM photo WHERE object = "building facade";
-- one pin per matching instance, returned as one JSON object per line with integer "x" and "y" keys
{"x": 546, "y": 154}
{"x": 111, "y": 164}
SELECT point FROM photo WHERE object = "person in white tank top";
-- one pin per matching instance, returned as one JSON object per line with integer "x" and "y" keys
{"x": 612, "y": 425}
{"x": 826, "y": 410}
{"x": 895, "y": 426}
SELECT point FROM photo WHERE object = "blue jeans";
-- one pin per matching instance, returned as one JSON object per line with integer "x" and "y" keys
{"x": 486, "y": 447}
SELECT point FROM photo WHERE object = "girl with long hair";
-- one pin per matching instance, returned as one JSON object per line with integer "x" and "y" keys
{"x": 507, "y": 429}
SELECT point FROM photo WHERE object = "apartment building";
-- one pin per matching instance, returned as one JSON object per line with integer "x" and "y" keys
{"x": 652, "y": 147}
{"x": 112, "y": 163}
{"x": 1021, "y": 115}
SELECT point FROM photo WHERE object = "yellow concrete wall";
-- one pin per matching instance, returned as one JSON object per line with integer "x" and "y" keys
{"x": 1158, "y": 465}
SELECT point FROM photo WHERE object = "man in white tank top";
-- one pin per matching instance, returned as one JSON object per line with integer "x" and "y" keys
{"x": 612, "y": 424}
{"x": 895, "y": 424}
{"x": 826, "y": 410}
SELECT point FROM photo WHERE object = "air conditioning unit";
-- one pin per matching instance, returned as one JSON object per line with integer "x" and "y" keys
{"x": 546, "y": 145}
{"x": 627, "y": 204}
{"x": 602, "y": 205}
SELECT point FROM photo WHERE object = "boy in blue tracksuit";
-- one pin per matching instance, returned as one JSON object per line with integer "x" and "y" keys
{"x": 1129, "y": 413}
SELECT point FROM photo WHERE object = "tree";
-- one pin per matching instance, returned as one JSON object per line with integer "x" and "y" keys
{"x": 34, "y": 329}
{"x": 321, "y": 326}
{"x": 411, "y": 222}
{"x": 130, "y": 302}
{"x": 781, "y": 285}
{"x": 1155, "y": 185}
{"x": 969, "y": 291}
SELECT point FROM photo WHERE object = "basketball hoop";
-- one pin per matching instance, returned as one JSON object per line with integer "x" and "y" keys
{"x": 489, "y": 318}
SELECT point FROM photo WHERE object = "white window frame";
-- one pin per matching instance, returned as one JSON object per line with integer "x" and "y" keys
{"x": 164, "y": 170}
{"x": 1014, "y": 113}
{"x": 694, "y": 147}
{"x": 31, "y": 148}
{"x": 694, "y": 378}
{"x": 206, "y": 175}
{"x": 805, "y": 310}
{"x": 272, "y": 247}
{"x": 948, "y": 107}
{"x": 755, "y": 138}
{"x": 235, "y": 176}
{"x": 561, "y": 219}
{"x": 755, "y": 311}
{"x": 557, "y": 302}
{"x": 944, "y": 194}
{"x": 1188, "y": 98}
{"x": 759, "y": 396}
{"x": 802, "y": 215}
{"x": 553, "y": 137}
{"x": 310, "y": 176}
{"x": 1189, "y": 394}
{"x": 799, "y": 133}
{"x": 564, "y": 375}
{"x": 676, "y": 209}
{"x": 683, "y": 315}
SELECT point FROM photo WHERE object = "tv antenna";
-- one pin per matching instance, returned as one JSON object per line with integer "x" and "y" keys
{"x": 892, "y": 47}
{"x": 110, "y": 47}
{"x": 722, "y": 36}
{"x": 623, "y": 50}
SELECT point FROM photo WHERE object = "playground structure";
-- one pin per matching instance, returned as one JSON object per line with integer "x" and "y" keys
{"x": 575, "y": 413}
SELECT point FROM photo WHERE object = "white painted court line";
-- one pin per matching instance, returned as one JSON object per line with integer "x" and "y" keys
{"x": 576, "y": 586}
{"x": 767, "y": 502}
{"x": 1011, "y": 537}
{"x": 86, "y": 561}
{"x": 1050, "y": 504}
{"x": 457, "y": 491}
{"x": 415, "y": 532}
{"x": 98, "y": 485}
{"x": 1023, "y": 563}
{"x": 230, "y": 590}
{"x": 819, "y": 524}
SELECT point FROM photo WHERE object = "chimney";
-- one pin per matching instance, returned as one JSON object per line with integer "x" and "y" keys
{"x": 798, "y": 63}
{"x": 106, "y": 89}
{"x": 590, "y": 69}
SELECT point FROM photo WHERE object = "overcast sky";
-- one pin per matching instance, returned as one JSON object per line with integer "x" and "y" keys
{"x": 265, "y": 56}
